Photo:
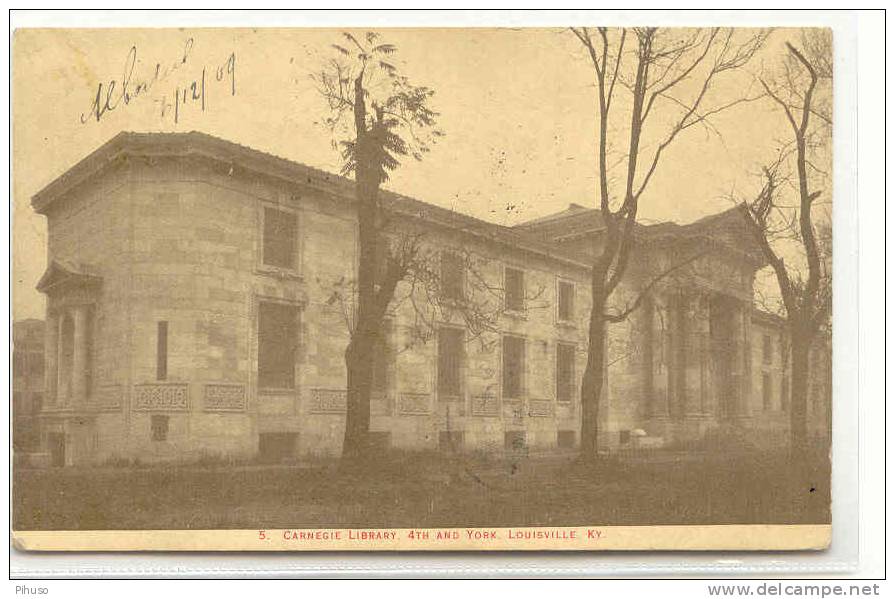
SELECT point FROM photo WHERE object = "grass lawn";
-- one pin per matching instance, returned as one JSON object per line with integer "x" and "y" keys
{"x": 424, "y": 490}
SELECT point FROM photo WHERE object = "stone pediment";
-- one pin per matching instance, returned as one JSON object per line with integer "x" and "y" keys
{"x": 61, "y": 275}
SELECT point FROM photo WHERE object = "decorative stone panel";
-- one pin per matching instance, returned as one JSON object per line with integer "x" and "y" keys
{"x": 162, "y": 397}
{"x": 106, "y": 398}
{"x": 411, "y": 404}
{"x": 485, "y": 405}
{"x": 224, "y": 397}
{"x": 540, "y": 408}
{"x": 329, "y": 401}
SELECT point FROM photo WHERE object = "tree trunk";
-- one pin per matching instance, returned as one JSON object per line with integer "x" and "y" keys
{"x": 798, "y": 396}
{"x": 592, "y": 380}
{"x": 359, "y": 353}
{"x": 359, "y": 366}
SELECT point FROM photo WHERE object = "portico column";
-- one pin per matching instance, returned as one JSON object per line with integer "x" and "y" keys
{"x": 692, "y": 350}
{"x": 741, "y": 364}
{"x": 51, "y": 355}
{"x": 659, "y": 316}
{"x": 746, "y": 393}
{"x": 62, "y": 376}
{"x": 703, "y": 334}
{"x": 79, "y": 357}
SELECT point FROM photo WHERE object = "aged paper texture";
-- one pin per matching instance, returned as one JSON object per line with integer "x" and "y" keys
{"x": 422, "y": 289}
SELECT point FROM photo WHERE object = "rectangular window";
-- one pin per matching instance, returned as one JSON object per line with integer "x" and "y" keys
{"x": 766, "y": 391}
{"x": 452, "y": 275}
{"x": 766, "y": 350}
{"x": 514, "y": 288}
{"x": 565, "y": 372}
{"x": 159, "y": 425}
{"x": 279, "y": 238}
{"x": 450, "y": 440}
{"x": 161, "y": 351}
{"x": 383, "y": 359}
{"x": 565, "y": 439}
{"x": 513, "y": 366}
{"x": 276, "y": 447}
{"x": 379, "y": 440}
{"x": 514, "y": 440}
{"x": 277, "y": 340}
{"x": 450, "y": 358}
{"x": 565, "y": 301}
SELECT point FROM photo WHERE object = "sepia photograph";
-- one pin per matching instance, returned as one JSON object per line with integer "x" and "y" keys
{"x": 521, "y": 288}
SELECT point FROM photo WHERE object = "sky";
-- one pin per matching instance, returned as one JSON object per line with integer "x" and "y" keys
{"x": 517, "y": 107}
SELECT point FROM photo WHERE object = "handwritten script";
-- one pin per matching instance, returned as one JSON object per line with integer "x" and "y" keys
{"x": 187, "y": 89}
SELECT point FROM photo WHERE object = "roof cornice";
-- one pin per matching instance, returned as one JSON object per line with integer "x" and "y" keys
{"x": 207, "y": 146}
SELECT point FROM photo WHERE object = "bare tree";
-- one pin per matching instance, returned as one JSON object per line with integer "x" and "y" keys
{"x": 795, "y": 244}
{"x": 399, "y": 271}
{"x": 666, "y": 72}
{"x": 381, "y": 117}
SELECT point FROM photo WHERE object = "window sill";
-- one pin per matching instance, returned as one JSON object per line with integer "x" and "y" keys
{"x": 450, "y": 398}
{"x": 567, "y": 324}
{"x": 278, "y": 272}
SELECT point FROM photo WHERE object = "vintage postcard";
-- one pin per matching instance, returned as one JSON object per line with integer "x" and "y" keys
{"x": 422, "y": 289}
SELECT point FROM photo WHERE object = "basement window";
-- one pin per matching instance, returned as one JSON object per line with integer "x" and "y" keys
{"x": 514, "y": 440}
{"x": 159, "y": 427}
{"x": 450, "y": 440}
{"x": 565, "y": 439}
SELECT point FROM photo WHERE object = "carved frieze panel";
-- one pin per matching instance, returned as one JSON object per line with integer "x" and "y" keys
{"x": 162, "y": 397}
{"x": 329, "y": 401}
{"x": 410, "y": 404}
{"x": 224, "y": 397}
{"x": 540, "y": 408}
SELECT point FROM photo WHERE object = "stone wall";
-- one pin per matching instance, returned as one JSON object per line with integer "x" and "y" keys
{"x": 179, "y": 240}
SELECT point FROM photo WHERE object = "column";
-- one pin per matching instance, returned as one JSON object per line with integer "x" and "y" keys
{"x": 79, "y": 357}
{"x": 702, "y": 340}
{"x": 62, "y": 374}
{"x": 746, "y": 389}
{"x": 740, "y": 361}
{"x": 680, "y": 361}
{"x": 693, "y": 357}
{"x": 661, "y": 355}
{"x": 646, "y": 330}
{"x": 51, "y": 355}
